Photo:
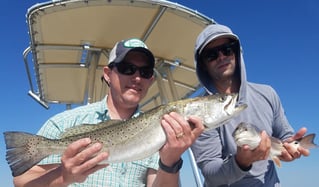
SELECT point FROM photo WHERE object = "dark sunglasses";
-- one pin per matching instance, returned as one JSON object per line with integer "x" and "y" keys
{"x": 211, "y": 54}
{"x": 127, "y": 68}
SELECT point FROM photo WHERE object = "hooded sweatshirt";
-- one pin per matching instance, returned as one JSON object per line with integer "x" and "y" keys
{"x": 215, "y": 149}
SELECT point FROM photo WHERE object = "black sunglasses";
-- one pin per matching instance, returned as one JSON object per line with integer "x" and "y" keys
{"x": 127, "y": 68}
{"x": 211, "y": 54}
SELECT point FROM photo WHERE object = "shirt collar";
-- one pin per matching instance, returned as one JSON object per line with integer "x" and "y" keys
{"x": 103, "y": 114}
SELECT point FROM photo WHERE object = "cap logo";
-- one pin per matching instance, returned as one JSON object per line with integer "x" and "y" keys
{"x": 132, "y": 43}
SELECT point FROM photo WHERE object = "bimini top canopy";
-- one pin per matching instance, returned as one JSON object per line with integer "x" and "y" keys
{"x": 70, "y": 43}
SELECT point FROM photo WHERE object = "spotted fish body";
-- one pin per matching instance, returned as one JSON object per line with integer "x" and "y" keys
{"x": 128, "y": 140}
{"x": 247, "y": 134}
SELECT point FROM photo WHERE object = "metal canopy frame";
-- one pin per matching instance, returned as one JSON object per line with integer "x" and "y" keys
{"x": 70, "y": 42}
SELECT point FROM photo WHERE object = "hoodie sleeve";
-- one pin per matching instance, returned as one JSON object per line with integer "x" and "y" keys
{"x": 281, "y": 126}
{"x": 217, "y": 170}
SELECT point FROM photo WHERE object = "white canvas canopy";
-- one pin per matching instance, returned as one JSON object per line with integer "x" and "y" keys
{"x": 70, "y": 42}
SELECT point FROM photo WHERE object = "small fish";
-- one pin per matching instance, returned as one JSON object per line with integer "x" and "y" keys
{"x": 128, "y": 140}
{"x": 247, "y": 134}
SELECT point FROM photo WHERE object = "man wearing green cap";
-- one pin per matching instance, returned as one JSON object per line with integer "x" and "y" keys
{"x": 129, "y": 75}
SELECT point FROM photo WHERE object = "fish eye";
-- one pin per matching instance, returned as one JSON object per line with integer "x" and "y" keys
{"x": 222, "y": 98}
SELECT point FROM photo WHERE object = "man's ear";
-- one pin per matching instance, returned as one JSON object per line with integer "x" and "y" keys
{"x": 106, "y": 74}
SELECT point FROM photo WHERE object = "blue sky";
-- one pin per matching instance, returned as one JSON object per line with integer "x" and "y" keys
{"x": 280, "y": 41}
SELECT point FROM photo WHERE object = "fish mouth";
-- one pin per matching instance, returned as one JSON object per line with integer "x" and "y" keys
{"x": 230, "y": 107}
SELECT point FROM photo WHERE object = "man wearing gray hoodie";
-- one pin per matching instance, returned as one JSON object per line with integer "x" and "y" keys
{"x": 220, "y": 69}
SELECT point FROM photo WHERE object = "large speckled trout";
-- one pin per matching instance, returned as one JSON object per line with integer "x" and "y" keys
{"x": 129, "y": 140}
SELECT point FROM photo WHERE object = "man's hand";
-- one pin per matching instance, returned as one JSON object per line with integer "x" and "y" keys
{"x": 245, "y": 157}
{"x": 180, "y": 136}
{"x": 81, "y": 159}
{"x": 291, "y": 152}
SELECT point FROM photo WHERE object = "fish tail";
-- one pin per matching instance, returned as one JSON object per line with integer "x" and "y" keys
{"x": 22, "y": 151}
{"x": 308, "y": 141}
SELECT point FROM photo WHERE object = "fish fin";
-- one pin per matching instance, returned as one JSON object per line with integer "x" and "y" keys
{"x": 276, "y": 150}
{"x": 276, "y": 161}
{"x": 21, "y": 151}
{"x": 307, "y": 142}
{"x": 275, "y": 140}
{"x": 85, "y": 128}
{"x": 276, "y": 146}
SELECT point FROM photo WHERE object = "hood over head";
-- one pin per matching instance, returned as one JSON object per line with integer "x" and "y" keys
{"x": 213, "y": 32}
{"x": 209, "y": 34}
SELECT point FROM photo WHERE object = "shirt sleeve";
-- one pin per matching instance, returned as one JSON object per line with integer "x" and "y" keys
{"x": 208, "y": 154}
{"x": 281, "y": 126}
{"x": 153, "y": 161}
